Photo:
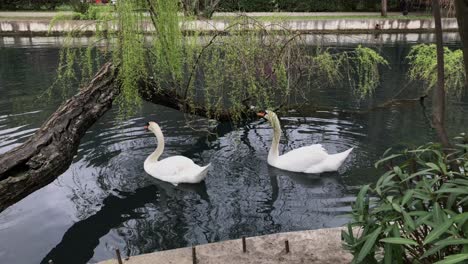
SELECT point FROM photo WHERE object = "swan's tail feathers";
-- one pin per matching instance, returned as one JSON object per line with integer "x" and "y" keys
{"x": 204, "y": 172}
{"x": 337, "y": 159}
{"x": 205, "y": 168}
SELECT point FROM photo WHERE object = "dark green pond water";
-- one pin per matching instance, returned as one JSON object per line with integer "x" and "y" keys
{"x": 105, "y": 200}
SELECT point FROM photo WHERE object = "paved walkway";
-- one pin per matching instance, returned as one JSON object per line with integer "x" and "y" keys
{"x": 308, "y": 14}
{"x": 323, "y": 246}
{"x": 29, "y": 15}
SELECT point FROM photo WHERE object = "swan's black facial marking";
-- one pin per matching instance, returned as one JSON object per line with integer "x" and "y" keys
{"x": 147, "y": 126}
{"x": 262, "y": 114}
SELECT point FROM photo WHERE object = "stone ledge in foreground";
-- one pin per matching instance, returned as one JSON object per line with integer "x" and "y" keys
{"x": 320, "y": 246}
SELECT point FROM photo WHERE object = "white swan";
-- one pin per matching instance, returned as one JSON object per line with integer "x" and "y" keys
{"x": 309, "y": 159}
{"x": 175, "y": 169}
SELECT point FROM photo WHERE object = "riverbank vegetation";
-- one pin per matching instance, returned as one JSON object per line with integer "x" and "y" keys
{"x": 417, "y": 210}
{"x": 217, "y": 76}
{"x": 423, "y": 66}
{"x": 205, "y": 8}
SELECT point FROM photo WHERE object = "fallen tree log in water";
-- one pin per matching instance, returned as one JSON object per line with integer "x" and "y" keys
{"x": 50, "y": 151}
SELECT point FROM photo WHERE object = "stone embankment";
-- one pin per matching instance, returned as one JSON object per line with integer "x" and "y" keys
{"x": 42, "y": 27}
{"x": 323, "y": 246}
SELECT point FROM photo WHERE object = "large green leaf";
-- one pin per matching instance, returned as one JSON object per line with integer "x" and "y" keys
{"x": 452, "y": 259}
{"x": 423, "y": 219}
{"x": 368, "y": 245}
{"x": 433, "y": 166}
{"x": 408, "y": 195}
{"x": 438, "y": 231}
{"x": 409, "y": 221}
{"x": 452, "y": 241}
{"x": 419, "y": 173}
{"x": 360, "y": 199}
{"x": 388, "y": 254}
{"x": 396, "y": 207}
{"x": 453, "y": 190}
{"x": 459, "y": 181}
{"x": 451, "y": 199}
{"x": 460, "y": 219}
{"x": 438, "y": 215}
{"x": 399, "y": 240}
{"x": 432, "y": 250}
{"x": 386, "y": 159}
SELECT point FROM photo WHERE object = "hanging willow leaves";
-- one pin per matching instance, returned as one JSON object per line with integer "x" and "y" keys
{"x": 212, "y": 73}
{"x": 423, "y": 66}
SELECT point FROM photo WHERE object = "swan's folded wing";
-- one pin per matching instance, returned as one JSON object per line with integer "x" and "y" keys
{"x": 301, "y": 159}
{"x": 171, "y": 167}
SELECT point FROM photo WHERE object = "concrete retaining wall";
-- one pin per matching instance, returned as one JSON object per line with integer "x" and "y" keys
{"x": 310, "y": 39}
{"x": 323, "y": 246}
{"x": 41, "y": 27}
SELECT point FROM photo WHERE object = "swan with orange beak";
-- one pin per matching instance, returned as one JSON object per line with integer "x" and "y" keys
{"x": 308, "y": 159}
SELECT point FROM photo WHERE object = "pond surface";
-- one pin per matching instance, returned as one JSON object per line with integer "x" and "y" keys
{"x": 105, "y": 200}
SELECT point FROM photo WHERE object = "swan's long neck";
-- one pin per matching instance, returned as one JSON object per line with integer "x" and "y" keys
{"x": 160, "y": 141}
{"x": 274, "y": 150}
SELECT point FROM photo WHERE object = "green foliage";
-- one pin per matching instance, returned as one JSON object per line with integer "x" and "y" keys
{"x": 167, "y": 44}
{"x": 366, "y": 64}
{"x": 360, "y": 67}
{"x": 327, "y": 65}
{"x": 79, "y": 6}
{"x": 423, "y": 66}
{"x": 199, "y": 8}
{"x": 212, "y": 73}
{"x": 29, "y": 5}
{"x": 417, "y": 210}
{"x": 130, "y": 54}
{"x": 305, "y": 6}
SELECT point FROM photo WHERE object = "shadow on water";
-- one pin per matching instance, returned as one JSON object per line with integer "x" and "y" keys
{"x": 170, "y": 189}
{"x": 83, "y": 237}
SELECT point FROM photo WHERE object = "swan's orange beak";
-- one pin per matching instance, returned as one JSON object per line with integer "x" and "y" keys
{"x": 261, "y": 114}
{"x": 146, "y": 128}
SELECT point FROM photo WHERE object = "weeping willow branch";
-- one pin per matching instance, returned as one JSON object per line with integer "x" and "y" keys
{"x": 221, "y": 75}
{"x": 423, "y": 66}
{"x": 200, "y": 54}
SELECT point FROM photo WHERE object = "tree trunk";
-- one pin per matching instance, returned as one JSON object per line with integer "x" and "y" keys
{"x": 171, "y": 99}
{"x": 50, "y": 151}
{"x": 438, "y": 95}
{"x": 461, "y": 10}
{"x": 384, "y": 8}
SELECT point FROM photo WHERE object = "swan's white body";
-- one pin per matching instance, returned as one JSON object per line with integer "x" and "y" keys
{"x": 309, "y": 159}
{"x": 175, "y": 169}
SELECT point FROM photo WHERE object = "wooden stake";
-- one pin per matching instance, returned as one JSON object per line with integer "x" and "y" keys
{"x": 194, "y": 255}
{"x": 119, "y": 258}
{"x": 286, "y": 246}
{"x": 244, "y": 245}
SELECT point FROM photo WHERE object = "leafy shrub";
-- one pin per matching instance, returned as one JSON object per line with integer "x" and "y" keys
{"x": 305, "y": 6}
{"x": 79, "y": 6}
{"x": 29, "y": 5}
{"x": 418, "y": 210}
{"x": 423, "y": 66}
